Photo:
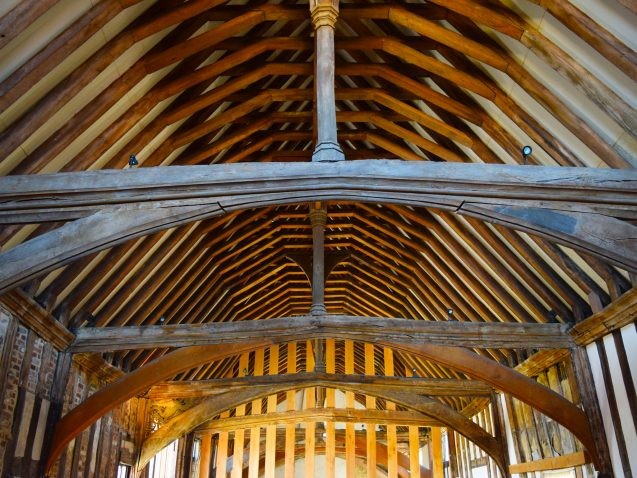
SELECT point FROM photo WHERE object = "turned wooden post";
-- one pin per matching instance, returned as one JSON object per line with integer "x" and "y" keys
{"x": 318, "y": 218}
{"x": 324, "y": 15}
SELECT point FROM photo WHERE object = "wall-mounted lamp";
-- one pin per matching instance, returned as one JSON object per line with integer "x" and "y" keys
{"x": 526, "y": 152}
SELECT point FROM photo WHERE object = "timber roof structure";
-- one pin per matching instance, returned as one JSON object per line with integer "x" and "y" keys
{"x": 86, "y": 84}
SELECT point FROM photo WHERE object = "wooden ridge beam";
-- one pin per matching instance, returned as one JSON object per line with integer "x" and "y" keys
{"x": 468, "y": 334}
{"x": 427, "y": 386}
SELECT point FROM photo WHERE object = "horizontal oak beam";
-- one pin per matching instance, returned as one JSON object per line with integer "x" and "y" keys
{"x": 92, "y": 190}
{"x": 553, "y": 463}
{"x": 346, "y": 415}
{"x": 577, "y": 207}
{"x": 370, "y": 329}
{"x": 426, "y": 386}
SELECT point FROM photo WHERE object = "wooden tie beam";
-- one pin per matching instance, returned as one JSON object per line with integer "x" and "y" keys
{"x": 580, "y": 208}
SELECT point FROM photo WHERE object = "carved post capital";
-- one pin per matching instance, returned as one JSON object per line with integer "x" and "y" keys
{"x": 318, "y": 216}
{"x": 324, "y": 13}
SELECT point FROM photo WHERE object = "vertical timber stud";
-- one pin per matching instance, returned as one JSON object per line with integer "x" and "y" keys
{"x": 239, "y": 433}
{"x": 270, "y": 431}
{"x": 588, "y": 396}
{"x": 255, "y": 432}
{"x": 370, "y": 404}
{"x": 436, "y": 452}
{"x": 290, "y": 404}
{"x": 330, "y": 402}
{"x": 324, "y": 15}
{"x": 392, "y": 439}
{"x": 310, "y": 427}
{"x": 206, "y": 454}
{"x": 500, "y": 430}
{"x": 350, "y": 432}
{"x": 414, "y": 441}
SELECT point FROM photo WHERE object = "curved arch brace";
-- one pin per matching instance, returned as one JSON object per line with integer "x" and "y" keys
{"x": 133, "y": 384}
{"x": 201, "y": 413}
{"x": 513, "y": 382}
{"x": 502, "y": 377}
{"x": 562, "y": 204}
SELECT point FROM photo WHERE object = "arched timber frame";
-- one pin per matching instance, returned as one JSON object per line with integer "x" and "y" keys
{"x": 510, "y": 381}
{"x": 208, "y": 409}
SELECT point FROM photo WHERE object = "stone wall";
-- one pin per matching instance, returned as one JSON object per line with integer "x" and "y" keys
{"x": 38, "y": 384}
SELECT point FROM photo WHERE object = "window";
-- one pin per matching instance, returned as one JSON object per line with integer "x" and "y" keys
{"x": 123, "y": 471}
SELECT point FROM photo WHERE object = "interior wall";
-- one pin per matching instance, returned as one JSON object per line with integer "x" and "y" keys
{"x": 32, "y": 399}
{"x": 613, "y": 361}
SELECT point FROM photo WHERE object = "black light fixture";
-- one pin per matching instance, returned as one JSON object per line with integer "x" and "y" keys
{"x": 132, "y": 161}
{"x": 449, "y": 313}
{"x": 526, "y": 152}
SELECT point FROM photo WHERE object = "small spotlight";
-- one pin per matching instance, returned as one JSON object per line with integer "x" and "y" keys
{"x": 162, "y": 319}
{"x": 526, "y": 152}
{"x": 132, "y": 161}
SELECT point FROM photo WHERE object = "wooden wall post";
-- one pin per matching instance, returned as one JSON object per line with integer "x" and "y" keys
{"x": 255, "y": 432}
{"x": 310, "y": 427}
{"x": 350, "y": 432}
{"x": 324, "y": 15}
{"x": 290, "y": 432}
{"x": 206, "y": 454}
{"x": 588, "y": 396}
{"x": 392, "y": 441}
{"x": 370, "y": 404}
{"x": 270, "y": 434}
{"x": 500, "y": 430}
{"x": 239, "y": 434}
{"x": 436, "y": 452}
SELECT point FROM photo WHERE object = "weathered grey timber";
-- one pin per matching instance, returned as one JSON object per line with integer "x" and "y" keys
{"x": 318, "y": 218}
{"x": 324, "y": 16}
{"x": 370, "y": 329}
{"x": 167, "y": 197}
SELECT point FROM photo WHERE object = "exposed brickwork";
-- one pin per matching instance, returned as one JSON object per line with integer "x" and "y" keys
{"x": 28, "y": 364}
